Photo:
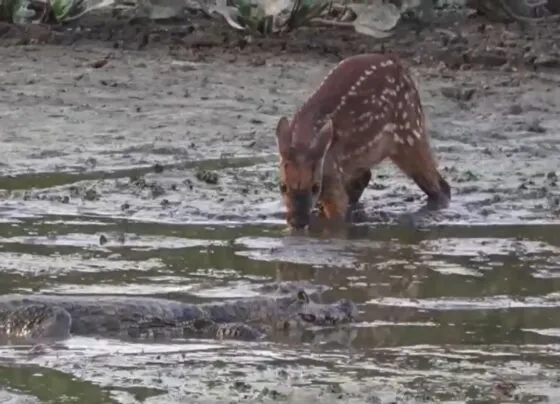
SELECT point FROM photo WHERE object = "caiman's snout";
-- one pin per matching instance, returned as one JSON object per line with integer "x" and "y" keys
{"x": 342, "y": 312}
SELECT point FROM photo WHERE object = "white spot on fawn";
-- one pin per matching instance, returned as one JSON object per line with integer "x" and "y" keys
{"x": 371, "y": 110}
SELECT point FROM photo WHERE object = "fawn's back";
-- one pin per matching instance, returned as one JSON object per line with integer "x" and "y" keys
{"x": 373, "y": 104}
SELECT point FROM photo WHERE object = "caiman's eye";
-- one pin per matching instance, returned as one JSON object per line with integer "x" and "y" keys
{"x": 315, "y": 189}
{"x": 283, "y": 188}
{"x": 309, "y": 318}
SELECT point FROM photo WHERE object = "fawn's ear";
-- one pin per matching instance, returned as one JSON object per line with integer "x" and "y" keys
{"x": 283, "y": 136}
{"x": 323, "y": 140}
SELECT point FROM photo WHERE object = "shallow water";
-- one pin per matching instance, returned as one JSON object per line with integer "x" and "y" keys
{"x": 453, "y": 305}
{"x": 445, "y": 312}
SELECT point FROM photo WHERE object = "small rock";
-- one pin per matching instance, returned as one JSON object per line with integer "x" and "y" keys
{"x": 547, "y": 60}
{"x": 100, "y": 63}
{"x": 335, "y": 388}
{"x": 536, "y": 127}
{"x": 504, "y": 390}
{"x": 515, "y": 109}
{"x": 257, "y": 62}
{"x": 208, "y": 177}
{"x": 91, "y": 195}
{"x": 103, "y": 239}
{"x": 241, "y": 386}
{"x": 158, "y": 168}
{"x": 157, "y": 190}
{"x": 457, "y": 93}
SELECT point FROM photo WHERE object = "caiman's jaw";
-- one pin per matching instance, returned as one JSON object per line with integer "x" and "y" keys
{"x": 309, "y": 313}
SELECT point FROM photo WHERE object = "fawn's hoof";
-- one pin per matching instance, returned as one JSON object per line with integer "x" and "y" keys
{"x": 438, "y": 202}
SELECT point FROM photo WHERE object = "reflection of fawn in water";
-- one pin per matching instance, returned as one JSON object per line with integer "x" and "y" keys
{"x": 367, "y": 109}
{"x": 289, "y": 272}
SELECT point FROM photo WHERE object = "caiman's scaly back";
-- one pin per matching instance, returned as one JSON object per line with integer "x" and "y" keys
{"x": 365, "y": 110}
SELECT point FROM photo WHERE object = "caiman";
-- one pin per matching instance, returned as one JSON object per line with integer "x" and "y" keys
{"x": 41, "y": 317}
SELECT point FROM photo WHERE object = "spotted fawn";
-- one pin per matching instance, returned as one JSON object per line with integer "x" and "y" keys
{"x": 366, "y": 109}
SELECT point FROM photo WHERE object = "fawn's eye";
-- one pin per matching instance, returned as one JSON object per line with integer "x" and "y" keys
{"x": 315, "y": 189}
{"x": 283, "y": 188}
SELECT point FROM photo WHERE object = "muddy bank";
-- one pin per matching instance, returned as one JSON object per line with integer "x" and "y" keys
{"x": 154, "y": 136}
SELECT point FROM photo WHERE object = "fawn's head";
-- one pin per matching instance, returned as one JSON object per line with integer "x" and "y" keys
{"x": 301, "y": 167}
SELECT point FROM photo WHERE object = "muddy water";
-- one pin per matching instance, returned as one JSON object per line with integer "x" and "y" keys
{"x": 155, "y": 175}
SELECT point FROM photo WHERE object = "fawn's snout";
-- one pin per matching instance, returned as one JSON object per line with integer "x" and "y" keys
{"x": 299, "y": 204}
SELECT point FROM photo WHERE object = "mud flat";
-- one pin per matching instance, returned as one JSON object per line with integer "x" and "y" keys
{"x": 155, "y": 174}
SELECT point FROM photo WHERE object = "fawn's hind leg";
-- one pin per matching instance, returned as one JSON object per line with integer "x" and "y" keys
{"x": 416, "y": 160}
{"x": 357, "y": 184}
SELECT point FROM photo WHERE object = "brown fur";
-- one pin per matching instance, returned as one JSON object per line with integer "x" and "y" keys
{"x": 366, "y": 110}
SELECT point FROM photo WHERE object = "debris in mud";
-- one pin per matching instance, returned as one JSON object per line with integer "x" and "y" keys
{"x": 138, "y": 182}
{"x": 505, "y": 390}
{"x": 335, "y": 388}
{"x": 515, "y": 109}
{"x": 458, "y": 93}
{"x": 536, "y": 127}
{"x": 466, "y": 176}
{"x": 241, "y": 386}
{"x": 157, "y": 190}
{"x": 158, "y": 168}
{"x": 120, "y": 237}
{"x": 103, "y": 239}
{"x": 273, "y": 394}
{"x": 100, "y": 63}
{"x": 248, "y": 391}
{"x": 91, "y": 195}
{"x": 547, "y": 60}
{"x": 209, "y": 177}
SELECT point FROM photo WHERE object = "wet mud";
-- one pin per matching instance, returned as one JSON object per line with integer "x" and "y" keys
{"x": 155, "y": 174}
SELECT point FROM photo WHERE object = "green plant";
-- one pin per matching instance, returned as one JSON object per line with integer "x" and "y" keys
{"x": 46, "y": 11}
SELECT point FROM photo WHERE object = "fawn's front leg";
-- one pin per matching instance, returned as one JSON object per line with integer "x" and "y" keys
{"x": 357, "y": 184}
{"x": 334, "y": 201}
